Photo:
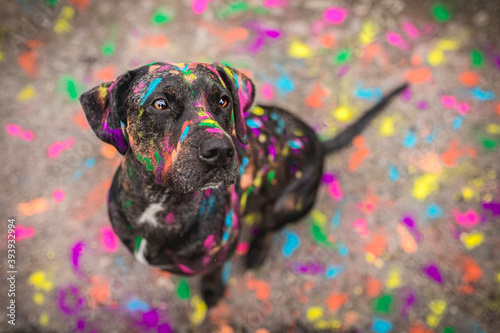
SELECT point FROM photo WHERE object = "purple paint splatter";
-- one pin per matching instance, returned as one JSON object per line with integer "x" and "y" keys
{"x": 433, "y": 272}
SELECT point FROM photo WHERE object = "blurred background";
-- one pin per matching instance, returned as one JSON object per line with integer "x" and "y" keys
{"x": 405, "y": 234}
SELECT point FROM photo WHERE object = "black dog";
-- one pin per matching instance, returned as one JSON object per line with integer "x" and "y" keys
{"x": 197, "y": 157}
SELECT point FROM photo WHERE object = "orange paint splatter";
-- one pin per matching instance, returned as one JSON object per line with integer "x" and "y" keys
{"x": 33, "y": 207}
{"x": 80, "y": 4}
{"x": 377, "y": 245}
{"x": 153, "y": 41}
{"x": 99, "y": 293}
{"x": 228, "y": 35}
{"x": 315, "y": 98}
{"x": 105, "y": 74}
{"x": 419, "y": 328}
{"x": 373, "y": 287}
{"x": 455, "y": 151}
{"x": 92, "y": 202}
{"x": 430, "y": 163}
{"x": 418, "y": 75}
{"x": 262, "y": 289}
{"x": 472, "y": 271}
{"x": 498, "y": 109}
{"x": 408, "y": 243}
{"x": 28, "y": 62}
{"x": 336, "y": 300}
{"x": 416, "y": 60}
{"x": 327, "y": 41}
{"x": 373, "y": 52}
{"x": 108, "y": 151}
{"x": 362, "y": 152}
{"x": 469, "y": 79}
{"x": 81, "y": 121}
{"x": 350, "y": 318}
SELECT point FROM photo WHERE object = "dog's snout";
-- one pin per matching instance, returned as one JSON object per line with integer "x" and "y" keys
{"x": 216, "y": 152}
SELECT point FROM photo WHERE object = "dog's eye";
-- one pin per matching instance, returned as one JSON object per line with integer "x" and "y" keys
{"x": 160, "y": 104}
{"x": 223, "y": 102}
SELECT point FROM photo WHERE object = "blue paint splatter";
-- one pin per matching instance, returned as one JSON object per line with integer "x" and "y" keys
{"x": 368, "y": 94}
{"x": 332, "y": 271}
{"x": 457, "y": 122}
{"x": 151, "y": 88}
{"x": 285, "y": 85}
{"x": 253, "y": 123}
{"x": 343, "y": 250}
{"x": 410, "y": 140}
{"x": 393, "y": 173}
{"x": 292, "y": 243}
{"x": 77, "y": 174}
{"x": 184, "y": 134}
{"x": 381, "y": 326}
{"x": 137, "y": 304}
{"x": 337, "y": 216}
{"x": 226, "y": 272}
{"x": 434, "y": 211}
{"x": 296, "y": 144}
{"x": 89, "y": 162}
{"x": 483, "y": 95}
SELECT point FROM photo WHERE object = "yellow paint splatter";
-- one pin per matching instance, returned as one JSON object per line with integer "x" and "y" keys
{"x": 436, "y": 55}
{"x": 1, "y": 56}
{"x": 26, "y": 94}
{"x": 199, "y": 310}
{"x": 314, "y": 313}
{"x": 38, "y": 298}
{"x": 40, "y": 281}
{"x": 472, "y": 240}
{"x": 319, "y": 217}
{"x": 368, "y": 32}
{"x": 394, "y": 279}
{"x": 258, "y": 111}
{"x": 468, "y": 194}
{"x": 437, "y": 306}
{"x": 387, "y": 126}
{"x": 44, "y": 319}
{"x": 343, "y": 113}
{"x": 433, "y": 320}
{"x": 424, "y": 185}
{"x": 498, "y": 277}
{"x": 299, "y": 50}
{"x": 493, "y": 129}
{"x": 62, "y": 24}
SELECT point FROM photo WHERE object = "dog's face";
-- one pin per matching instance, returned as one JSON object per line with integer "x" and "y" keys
{"x": 178, "y": 120}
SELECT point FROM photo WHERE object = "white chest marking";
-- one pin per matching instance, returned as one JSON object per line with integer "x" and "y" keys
{"x": 139, "y": 254}
{"x": 148, "y": 216}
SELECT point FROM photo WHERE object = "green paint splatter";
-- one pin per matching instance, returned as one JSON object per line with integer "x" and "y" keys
{"x": 448, "y": 330}
{"x": 211, "y": 124}
{"x": 476, "y": 58}
{"x": 51, "y": 3}
{"x": 270, "y": 177}
{"x": 108, "y": 48}
{"x": 71, "y": 87}
{"x": 161, "y": 16}
{"x": 319, "y": 229}
{"x": 149, "y": 166}
{"x": 233, "y": 8}
{"x": 138, "y": 241}
{"x": 128, "y": 203}
{"x": 130, "y": 171}
{"x": 489, "y": 144}
{"x": 440, "y": 12}
{"x": 183, "y": 289}
{"x": 383, "y": 304}
{"x": 342, "y": 56}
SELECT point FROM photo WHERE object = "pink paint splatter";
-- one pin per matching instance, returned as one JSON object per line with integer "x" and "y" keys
{"x": 56, "y": 148}
{"x": 186, "y": 269}
{"x": 275, "y": 3}
{"x": 468, "y": 220}
{"x": 395, "y": 39}
{"x": 58, "y": 195}
{"x": 17, "y": 131}
{"x": 411, "y": 30}
{"x": 214, "y": 130}
{"x": 109, "y": 240}
{"x": 267, "y": 92}
{"x": 447, "y": 101}
{"x": 75, "y": 254}
{"x": 335, "y": 190}
{"x": 242, "y": 248}
{"x": 199, "y": 6}
{"x": 335, "y": 15}
{"x": 463, "y": 107}
{"x": 361, "y": 226}
{"x": 23, "y": 232}
{"x": 140, "y": 86}
{"x": 170, "y": 218}
{"x": 410, "y": 223}
{"x": 209, "y": 242}
{"x": 407, "y": 94}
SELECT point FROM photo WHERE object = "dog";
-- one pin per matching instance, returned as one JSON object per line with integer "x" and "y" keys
{"x": 198, "y": 156}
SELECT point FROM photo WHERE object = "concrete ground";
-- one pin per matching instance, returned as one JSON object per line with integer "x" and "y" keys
{"x": 405, "y": 234}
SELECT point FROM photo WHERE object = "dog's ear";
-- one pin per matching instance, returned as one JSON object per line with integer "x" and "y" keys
{"x": 243, "y": 93}
{"x": 106, "y": 111}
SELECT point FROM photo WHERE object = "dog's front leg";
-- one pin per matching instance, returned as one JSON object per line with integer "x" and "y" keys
{"x": 212, "y": 287}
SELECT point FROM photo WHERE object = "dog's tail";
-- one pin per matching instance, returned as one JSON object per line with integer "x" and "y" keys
{"x": 345, "y": 138}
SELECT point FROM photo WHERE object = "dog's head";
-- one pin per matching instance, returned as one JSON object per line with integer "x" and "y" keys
{"x": 178, "y": 120}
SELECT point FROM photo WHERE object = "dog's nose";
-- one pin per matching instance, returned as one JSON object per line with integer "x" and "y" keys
{"x": 216, "y": 152}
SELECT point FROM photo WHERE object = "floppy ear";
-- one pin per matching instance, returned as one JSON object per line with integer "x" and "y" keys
{"x": 106, "y": 112}
{"x": 243, "y": 93}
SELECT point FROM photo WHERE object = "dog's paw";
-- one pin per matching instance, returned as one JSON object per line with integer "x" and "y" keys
{"x": 212, "y": 291}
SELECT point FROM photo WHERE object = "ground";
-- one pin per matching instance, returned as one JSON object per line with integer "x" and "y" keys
{"x": 404, "y": 236}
